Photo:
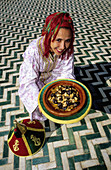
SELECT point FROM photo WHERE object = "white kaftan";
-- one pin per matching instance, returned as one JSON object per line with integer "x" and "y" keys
{"x": 36, "y": 71}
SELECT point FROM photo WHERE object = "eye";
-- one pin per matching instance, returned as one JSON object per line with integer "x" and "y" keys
{"x": 68, "y": 40}
{"x": 58, "y": 40}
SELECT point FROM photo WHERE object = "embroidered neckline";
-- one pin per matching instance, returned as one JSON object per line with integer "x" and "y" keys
{"x": 52, "y": 56}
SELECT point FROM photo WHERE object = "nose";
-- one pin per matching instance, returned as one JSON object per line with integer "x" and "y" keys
{"x": 62, "y": 45}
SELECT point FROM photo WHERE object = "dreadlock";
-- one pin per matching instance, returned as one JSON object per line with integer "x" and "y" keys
{"x": 52, "y": 25}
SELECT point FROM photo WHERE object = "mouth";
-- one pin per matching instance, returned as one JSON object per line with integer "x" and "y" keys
{"x": 60, "y": 51}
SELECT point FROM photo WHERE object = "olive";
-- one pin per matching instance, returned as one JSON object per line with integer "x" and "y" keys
{"x": 67, "y": 87}
{"x": 69, "y": 92}
{"x": 53, "y": 95}
{"x": 60, "y": 99}
{"x": 63, "y": 91}
{"x": 64, "y": 108}
{"x": 60, "y": 105}
{"x": 75, "y": 95}
{"x": 55, "y": 101}
{"x": 67, "y": 97}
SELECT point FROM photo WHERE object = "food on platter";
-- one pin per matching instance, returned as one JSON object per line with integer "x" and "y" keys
{"x": 64, "y": 97}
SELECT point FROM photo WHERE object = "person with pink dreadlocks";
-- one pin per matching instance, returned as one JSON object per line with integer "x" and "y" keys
{"x": 47, "y": 58}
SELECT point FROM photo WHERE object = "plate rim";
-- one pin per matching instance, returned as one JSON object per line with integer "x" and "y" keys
{"x": 66, "y": 121}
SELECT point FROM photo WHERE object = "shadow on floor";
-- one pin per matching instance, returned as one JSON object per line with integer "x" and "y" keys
{"x": 97, "y": 78}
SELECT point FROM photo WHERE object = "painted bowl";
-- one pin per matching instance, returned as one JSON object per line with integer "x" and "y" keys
{"x": 58, "y": 112}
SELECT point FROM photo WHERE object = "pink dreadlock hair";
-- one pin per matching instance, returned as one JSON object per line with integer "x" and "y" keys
{"x": 52, "y": 25}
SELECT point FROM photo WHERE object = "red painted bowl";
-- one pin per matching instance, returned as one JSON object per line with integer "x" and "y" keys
{"x": 58, "y": 112}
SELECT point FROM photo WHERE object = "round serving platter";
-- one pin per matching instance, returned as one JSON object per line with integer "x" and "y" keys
{"x": 72, "y": 117}
{"x": 58, "y": 112}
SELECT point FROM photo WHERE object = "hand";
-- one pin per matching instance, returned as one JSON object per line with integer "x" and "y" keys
{"x": 39, "y": 110}
{"x": 37, "y": 114}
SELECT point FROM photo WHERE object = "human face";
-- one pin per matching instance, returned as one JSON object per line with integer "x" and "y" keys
{"x": 61, "y": 42}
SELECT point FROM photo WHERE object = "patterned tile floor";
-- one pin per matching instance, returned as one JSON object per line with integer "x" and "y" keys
{"x": 82, "y": 145}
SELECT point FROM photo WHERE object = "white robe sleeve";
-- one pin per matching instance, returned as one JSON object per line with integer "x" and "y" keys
{"x": 64, "y": 68}
{"x": 29, "y": 74}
